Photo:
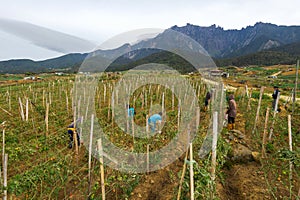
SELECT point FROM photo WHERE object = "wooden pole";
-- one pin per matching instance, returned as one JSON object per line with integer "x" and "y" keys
{"x": 47, "y": 119}
{"x": 163, "y": 103}
{"x": 263, "y": 151}
{"x": 178, "y": 117}
{"x": 3, "y": 146}
{"x": 90, "y": 153}
{"x": 291, "y": 149}
{"x": 214, "y": 146}
{"x": 9, "y": 102}
{"x": 21, "y": 109}
{"x": 258, "y": 108}
{"x": 100, "y": 149}
{"x": 214, "y": 152}
{"x": 182, "y": 176}
{"x": 67, "y": 103}
{"x": 5, "y": 176}
{"x": 75, "y": 132}
{"x": 148, "y": 159}
{"x": 295, "y": 90}
{"x": 26, "y": 118}
{"x": 147, "y": 126}
{"x": 249, "y": 100}
{"x": 191, "y": 168}
{"x": 173, "y": 98}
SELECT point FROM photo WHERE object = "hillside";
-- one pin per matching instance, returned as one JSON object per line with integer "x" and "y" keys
{"x": 261, "y": 44}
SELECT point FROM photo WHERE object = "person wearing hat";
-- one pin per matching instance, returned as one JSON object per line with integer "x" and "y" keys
{"x": 71, "y": 130}
{"x": 274, "y": 96}
{"x": 231, "y": 112}
{"x": 156, "y": 118}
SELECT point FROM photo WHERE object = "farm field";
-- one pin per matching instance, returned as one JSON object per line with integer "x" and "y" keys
{"x": 35, "y": 116}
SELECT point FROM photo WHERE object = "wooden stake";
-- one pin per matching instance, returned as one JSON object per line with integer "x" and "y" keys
{"x": 258, "y": 108}
{"x": 182, "y": 176}
{"x": 263, "y": 151}
{"x": 214, "y": 146}
{"x": 5, "y": 176}
{"x": 214, "y": 152}
{"x": 147, "y": 126}
{"x": 21, "y": 109}
{"x": 291, "y": 149}
{"x": 46, "y": 119}
{"x": 148, "y": 159}
{"x": 75, "y": 133}
{"x": 67, "y": 103}
{"x": 178, "y": 118}
{"x": 173, "y": 98}
{"x": 100, "y": 149}
{"x": 191, "y": 168}
{"x": 90, "y": 153}
{"x": 163, "y": 103}
{"x": 249, "y": 100}
{"x": 3, "y": 146}
{"x": 26, "y": 118}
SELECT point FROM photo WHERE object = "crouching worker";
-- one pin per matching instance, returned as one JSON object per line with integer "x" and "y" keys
{"x": 71, "y": 130}
{"x": 156, "y": 118}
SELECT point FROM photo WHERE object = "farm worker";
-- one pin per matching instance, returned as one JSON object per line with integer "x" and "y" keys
{"x": 207, "y": 100}
{"x": 274, "y": 96}
{"x": 71, "y": 130}
{"x": 231, "y": 112}
{"x": 156, "y": 118}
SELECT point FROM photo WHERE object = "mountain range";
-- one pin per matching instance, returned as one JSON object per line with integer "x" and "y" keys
{"x": 261, "y": 44}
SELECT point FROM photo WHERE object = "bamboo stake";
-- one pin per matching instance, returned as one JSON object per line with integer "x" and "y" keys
{"x": 67, "y": 103}
{"x": 90, "y": 153}
{"x": 191, "y": 168}
{"x": 21, "y": 109}
{"x": 214, "y": 146}
{"x": 148, "y": 159}
{"x": 182, "y": 176}
{"x": 5, "y": 176}
{"x": 263, "y": 151}
{"x": 132, "y": 126}
{"x": 147, "y": 126}
{"x": 100, "y": 149}
{"x": 214, "y": 152}
{"x": 258, "y": 108}
{"x": 172, "y": 97}
{"x": 9, "y": 102}
{"x": 46, "y": 119}
{"x": 163, "y": 103}
{"x": 26, "y": 118}
{"x": 295, "y": 90}
{"x": 291, "y": 149}
{"x": 178, "y": 118}
{"x": 3, "y": 146}
{"x": 249, "y": 100}
{"x": 6, "y": 111}
{"x": 75, "y": 133}
{"x": 43, "y": 98}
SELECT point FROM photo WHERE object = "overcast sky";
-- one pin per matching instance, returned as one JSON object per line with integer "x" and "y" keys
{"x": 99, "y": 20}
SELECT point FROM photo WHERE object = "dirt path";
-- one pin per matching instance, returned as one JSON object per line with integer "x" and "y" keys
{"x": 244, "y": 178}
{"x": 159, "y": 185}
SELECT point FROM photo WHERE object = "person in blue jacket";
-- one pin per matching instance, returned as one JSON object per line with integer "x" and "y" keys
{"x": 153, "y": 120}
{"x": 130, "y": 111}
